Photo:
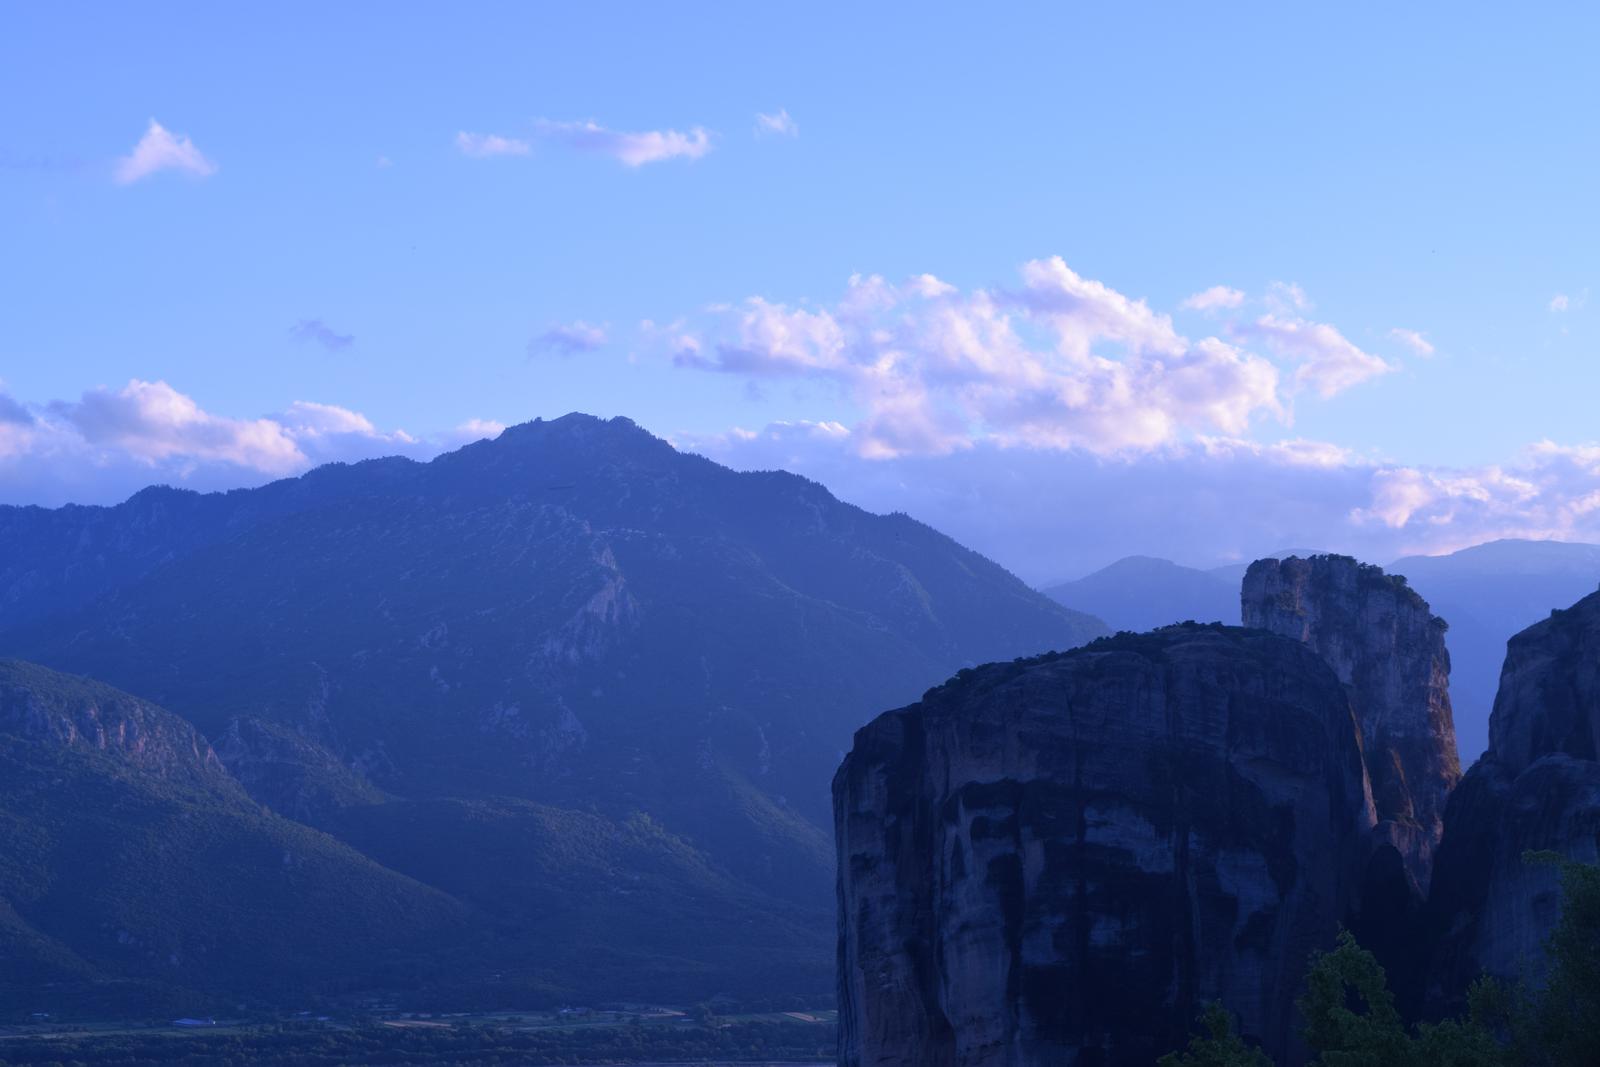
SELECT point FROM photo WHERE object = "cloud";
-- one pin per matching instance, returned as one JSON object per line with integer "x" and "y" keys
{"x": 475, "y": 430}
{"x": 1413, "y": 340}
{"x": 160, "y": 150}
{"x": 1051, "y": 515}
{"x": 569, "y": 339}
{"x": 1215, "y": 298}
{"x": 779, "y": 124}
{"x": 110, "y": 443}
{"x": 1060, "y": 361}
{"x": 152, "y": 422}
{"x": 13, "y": 413}
{"x": 1328, "y": 362}
{"x": 1287, "y": 296}
{"x": 1560, "y": 302}
{"x": 630, "y": 149}
{"x": 318, "y": 332}
{"x": 490, "y": 145}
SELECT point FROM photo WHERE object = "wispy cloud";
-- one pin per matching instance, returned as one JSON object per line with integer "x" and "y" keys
{"x": 569, "y": 339}
{"x": 1328, "y": 361}
{"x": 158, "y": 150}
{"x": 1216, "y": 298}
{"x": 1287, "y": 296}
{"x": 633, "y": 149}
{"x": 1413, "y": 340}
{"x": 315, "y": 331}
{"x": 490, "y": 145}
{"x": 778, "y": 124}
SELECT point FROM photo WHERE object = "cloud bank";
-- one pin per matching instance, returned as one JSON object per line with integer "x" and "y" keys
{"x": 1054, "y": 515}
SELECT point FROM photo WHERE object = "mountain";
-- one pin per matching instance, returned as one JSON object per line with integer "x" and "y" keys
{"x": 1536, "y": 789}
{"x": 134, "y": 872}
{"x": 1141, "y": 592}
{"x": 1488, "y": 593}
{"x": 624, "y": 672}
{"x": 1061, "y": 859}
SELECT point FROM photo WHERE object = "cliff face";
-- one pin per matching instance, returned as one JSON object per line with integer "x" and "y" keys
{"x": 41, "y": 707}
{"x": 1537, "y": 788}
{"x": 1059, "y": 860}
{"x": 1388, "y": 649}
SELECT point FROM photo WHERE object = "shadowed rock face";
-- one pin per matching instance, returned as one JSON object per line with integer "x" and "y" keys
{"x": 1537, "y": 788}
{"x": 1059, "y": 860}
{"x": 1389, "y": 651}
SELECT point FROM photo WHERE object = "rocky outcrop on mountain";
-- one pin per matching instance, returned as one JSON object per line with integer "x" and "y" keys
{"x": 1388, "y": 649}
{"x": 1536, "y": 789}
{"x": 290, "y": 773}
{"x": 1059, "y": 860}
{"x": 43, "y": 707}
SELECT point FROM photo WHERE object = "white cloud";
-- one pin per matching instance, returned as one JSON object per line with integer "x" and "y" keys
{"x": 630, "y": 149}
{"x": 152, "y": 422}
{"x": 779, "y": 124}
{"x": 569, "y": 339}
{"x": 490, "y": 145}
{"x": 476, "y": 430}
{"x": 159, "y": 149}
{"x": 1413, "y": 340}
{"x": 1328, "y": 362}
{"x": 1216, "y": 298}
{"x": 1560, "y": 302}
{"x": 1060, "y": 362}
{"x": 111, "y": 442}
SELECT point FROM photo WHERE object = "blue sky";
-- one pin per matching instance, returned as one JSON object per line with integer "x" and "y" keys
{"x": 323, "y": 234}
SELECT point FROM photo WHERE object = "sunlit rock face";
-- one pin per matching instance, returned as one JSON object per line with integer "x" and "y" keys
{"x": 1537, "y": 788}
{"x": 1388, "y": 649}
{"x": 1060, "y": 860}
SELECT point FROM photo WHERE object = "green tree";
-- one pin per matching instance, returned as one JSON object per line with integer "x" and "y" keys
{"x": 1219, "y": 1046}
{"x": 1560, "y": 1025}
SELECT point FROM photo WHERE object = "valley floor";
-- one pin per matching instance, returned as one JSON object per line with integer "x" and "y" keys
{"x": 644, "y": 1037}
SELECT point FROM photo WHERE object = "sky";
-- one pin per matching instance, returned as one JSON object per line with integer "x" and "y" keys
{"x": 1067, "y": 281}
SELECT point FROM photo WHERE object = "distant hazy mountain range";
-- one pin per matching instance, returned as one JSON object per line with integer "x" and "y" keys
{"x": 567, "y": 702}
{"x": 1486, "y": 593}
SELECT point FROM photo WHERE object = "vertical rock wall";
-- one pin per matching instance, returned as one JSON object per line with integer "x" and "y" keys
{"x": 1388, "y": 649}
{"x": 1059, "y": 861}
{"x": 1537, "y": 788}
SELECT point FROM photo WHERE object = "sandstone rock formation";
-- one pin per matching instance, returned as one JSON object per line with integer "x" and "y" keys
{"x": 1389, "y": 651}
{"x": 1059, "y": 860}
{"x": 1537, "y": 788}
